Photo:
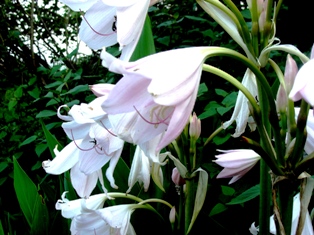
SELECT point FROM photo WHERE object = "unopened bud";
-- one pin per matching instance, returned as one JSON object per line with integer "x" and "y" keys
{"x": 281, "y": 100}
{"x": 177, "y": 178}
{"x": 291, "y": 71}
{"x": 172, "y": 215}
{"x": 195, "y": 127}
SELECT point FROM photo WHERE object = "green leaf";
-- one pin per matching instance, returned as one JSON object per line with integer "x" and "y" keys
{"x": 31, "y": 203}
{"x": 228, "y": 191}
{"x": 46, "y": 113}
{"x": 77, "y": 89}
{"x": 1, "y": 229}
{"x": 246, "y": 196}
{"x": 217, "y": 209}
{"x": 145, "y": 45}
{"x": 28, "y": 140}
{"x": 218, "y": 140}
{"x": 207, "y": 114}
{"x": 40, "y": 148}
{"x": 164, "y": 40}
{"x": 221, "y": 92}
{"x": 51, "y": 140}
{"x": 223, "y": 110}
{"x": 18, "y": 92}
{"x": 3, "y": 166}
{"x": 11, "y": 104}
{"x": 202, "y": 89}
{"x": 230, "y": 99}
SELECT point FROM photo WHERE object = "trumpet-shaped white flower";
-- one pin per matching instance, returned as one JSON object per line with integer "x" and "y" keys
{"x": 106, "y": 221}
{"x": 154, "y": 99}
{"x": 107, "y": 22}
{"x": 236, "y": 163}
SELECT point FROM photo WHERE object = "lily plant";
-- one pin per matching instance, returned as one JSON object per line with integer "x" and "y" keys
{"x": 152, "y": 106}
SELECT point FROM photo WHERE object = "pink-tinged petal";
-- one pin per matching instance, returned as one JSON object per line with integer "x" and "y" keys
{"x": 79, "y": 5}
{"x": 82, "y": 183}
{"x": 75, "y": 131}
{"x": 96, "y": 26}
{"x": 101, "y": 89}
{"x": 93, "y": 160}
{"x": 128, "y": 93}
{"x": 304, "y": 84}
{"x": 89, "y": 223}
{"x": 178, "y": 120}
{"x": 64, "y": 160}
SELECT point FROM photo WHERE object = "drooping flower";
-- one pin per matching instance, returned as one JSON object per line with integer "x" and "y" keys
{"x": 241, "y": 112}
{"x": 106, "y": 221}
{"x": 107, "y": 22}
{"x": 304, "y": 84}
{"x": 156, "y": 93}
{"x": 236, "y": 163}
{"x": 91, "y": 148}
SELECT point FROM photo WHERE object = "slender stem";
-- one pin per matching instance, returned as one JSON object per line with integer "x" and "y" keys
{"x": 190, "y": 186}
{"x": 156, "y": 200}
{"x": 264, "y": 201}
{"x": 216, "y": 132}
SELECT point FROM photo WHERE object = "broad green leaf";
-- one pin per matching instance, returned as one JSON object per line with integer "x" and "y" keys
{"x": 18, "y": 92}
{"x": 40, "y": 148}
{"x": 221, "y": 92}
{"x": 228, "y": 191}
{"x": 230, "y": 99}
{"x": 77, "y": 89}
{"x": 217, "y": 209}
{"x": 46, "y": 113}
{"x": 145, "y": 45}
{"x": 1, "y": 229}
{"x": 32, "y": 204}
{"x": 207, "y": 113}
{"x": 218, "y": 140}
{"x": 28, "y": 140}
{"x": 200, "y": 195}
{"x": 54, "y": 84}
{"x": 11, "y": 104}
{"x": 246, "y": 196}
{"x": 51, "y": 140}
{"x": 202, "y": 89}
{"x": 223, "y": 110}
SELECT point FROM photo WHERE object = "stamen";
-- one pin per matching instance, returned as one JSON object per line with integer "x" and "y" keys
{"x": 113, "y": 134}
{"x": 160, "y": 121}
{"x": 101, "y": 34}
{"x": 77, "y": 144}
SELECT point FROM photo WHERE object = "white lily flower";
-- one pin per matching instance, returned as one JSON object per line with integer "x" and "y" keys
{"x": 236, "y": 163}
{"x": 241, "y": 110}
{"x": 108, "y": 22}
{"x": 70, "y": 209}
{"x": 106, "y": 221}
{"x": 92, "y": 146}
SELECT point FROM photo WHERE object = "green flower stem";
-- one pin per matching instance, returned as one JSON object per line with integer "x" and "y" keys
{"x": 216, "y": 132}
{"x": 190, "y": 189}
{"x": 285, "y": 201}
{"x": 278, "y": 6}
{"x": 156, "y": 200}
{"x": 265, "y": 198}
{"x": 301, "y": 134}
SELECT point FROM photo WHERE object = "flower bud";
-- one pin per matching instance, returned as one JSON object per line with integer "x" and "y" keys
{"x": 172, "y": 215}
{"x": 291, "y": 71}
{"x": 195, "y": 127}
{"x": 177, "y": 178}
{"x": 281, "y": 100}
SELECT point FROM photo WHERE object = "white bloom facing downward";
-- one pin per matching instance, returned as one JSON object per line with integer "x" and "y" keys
{"x": 236, "y": 163}
{"x": 241, "y": 111}
{"x": 105, "y": 221}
